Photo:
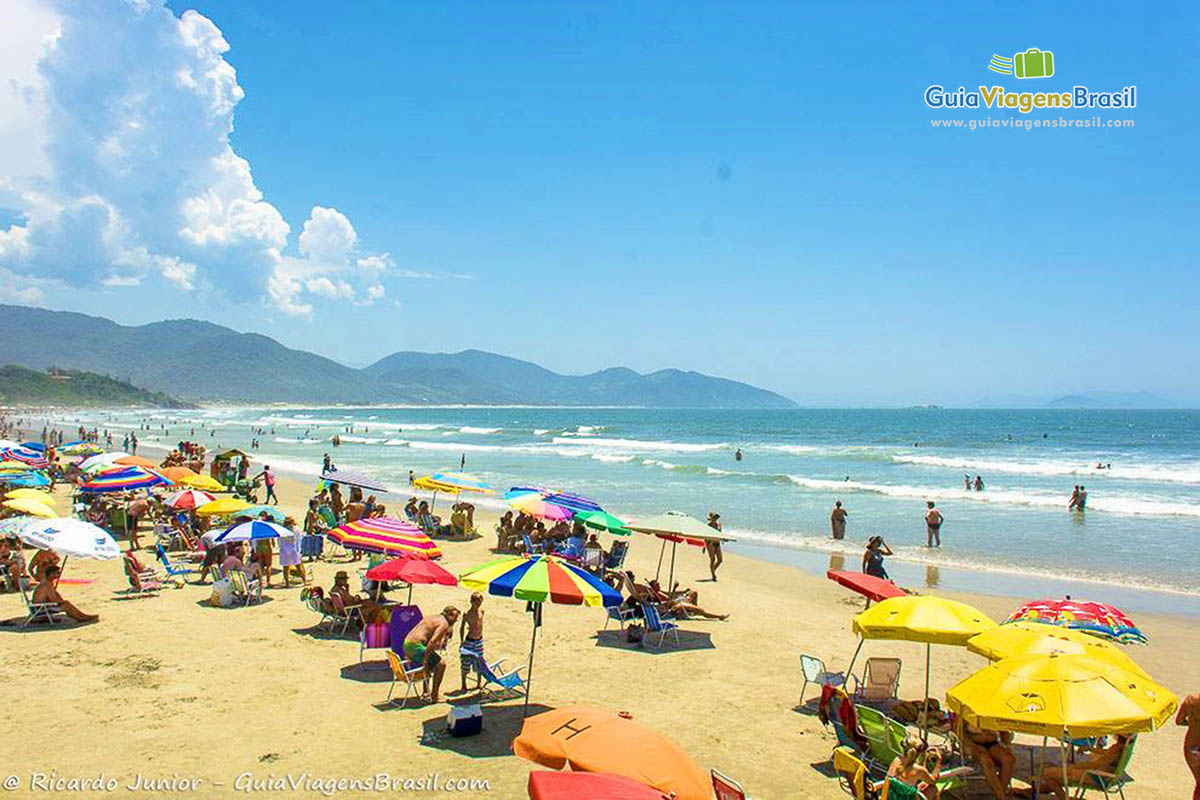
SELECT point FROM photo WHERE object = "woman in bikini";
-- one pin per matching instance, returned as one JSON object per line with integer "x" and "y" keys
{"x": 909, "y": 770}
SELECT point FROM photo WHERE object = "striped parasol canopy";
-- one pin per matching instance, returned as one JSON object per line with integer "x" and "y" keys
{"x": 80, "y": 449}
{"x": 535, "y": 506}
{"x": 1098, "y": 619}
{"x": 253, "y": 531}
{"x": 351, "y": 478}
{"x": 189, "y": 499}
{"x": 571, "y": 501}
{"x": 386, "y": 535}
{"x": 22, "y": 455}
{"x": 123, "y": 481}
{"x": 24, "y": 478}
{"x": 540, "y": 579}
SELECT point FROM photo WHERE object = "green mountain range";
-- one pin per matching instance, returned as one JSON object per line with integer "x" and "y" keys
{"x": 207, "y": 363}
{"x": 20, "y": 386}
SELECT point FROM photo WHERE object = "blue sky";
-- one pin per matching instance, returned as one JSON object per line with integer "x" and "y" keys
{"x": 752, "y": 191}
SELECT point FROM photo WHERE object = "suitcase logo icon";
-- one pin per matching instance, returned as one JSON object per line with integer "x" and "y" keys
{"x": 1033, "y": 63}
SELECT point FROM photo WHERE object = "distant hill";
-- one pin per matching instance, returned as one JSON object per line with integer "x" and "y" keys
{"x": 20, "y": 386}
{"x": 1110, "y": 400}
{"x": 204, "y": 362}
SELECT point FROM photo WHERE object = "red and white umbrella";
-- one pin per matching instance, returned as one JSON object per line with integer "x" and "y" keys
{"x": 190, "y": 499}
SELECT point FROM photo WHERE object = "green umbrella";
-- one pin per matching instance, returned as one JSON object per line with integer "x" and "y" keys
{"x": 602, "y": 521}
{"x": 255, "y": 511}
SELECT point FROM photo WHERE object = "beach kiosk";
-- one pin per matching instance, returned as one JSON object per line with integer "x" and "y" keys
{"x": 225, "y": 468}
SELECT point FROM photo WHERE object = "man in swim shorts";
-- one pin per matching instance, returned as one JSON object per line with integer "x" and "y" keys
{"x": 423, "y": 641}
{"x": 933, "y": 526}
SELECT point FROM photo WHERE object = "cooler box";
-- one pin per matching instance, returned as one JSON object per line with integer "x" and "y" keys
{"x": 465, "y": 720}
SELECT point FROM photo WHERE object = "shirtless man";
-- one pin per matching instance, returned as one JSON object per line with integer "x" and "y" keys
{"x": 1189, "y": 715}
{"x": 933, "y": 526}
{"x": 471, "y": 635}
{"x": 837, "y": 520}
{"x": 47, "y": 592}
{"x": 422, "y": 643}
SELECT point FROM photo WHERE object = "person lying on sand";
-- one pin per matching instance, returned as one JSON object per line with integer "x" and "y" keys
{"x": 47, "y": 592}
{"x": 423, "y": 641}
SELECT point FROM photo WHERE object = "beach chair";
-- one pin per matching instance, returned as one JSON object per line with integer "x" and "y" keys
{"x": 510, "y": 682}
{"x": 616, "y": 557}
{"x": 530, "y": 546}
{"x": 726, "y": 788}
{"x": 314, "y": 603}
{"x": 655, "y": 624}
{"x": 572, "y": 549}
{"x": 343, "y": 613}
{"x": 408, "y": 672}
{"x": 593, "y": 560}
{"x": 853, "y": 775}
{"x": 50, "y": 612}
{"x": 374, "y": 636}
{"x": 404, "y": 619}
{"x": 880, "y": 680}
{"x": 885, "y": 737}
{"x": 622, "y": 614}
{"x": 243, "y": 587}
{"x": 1108, "y": 782}
{"x": 814, "y": 671}
{"x": 173, "y": 570}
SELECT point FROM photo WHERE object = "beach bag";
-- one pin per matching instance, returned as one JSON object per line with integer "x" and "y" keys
{"x": 222, "y": 594}
{"x": 634, "y": 633}
{"x": 465, "y": 720}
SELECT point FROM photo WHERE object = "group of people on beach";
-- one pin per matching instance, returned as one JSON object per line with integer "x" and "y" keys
{"x": 872, "y": 563}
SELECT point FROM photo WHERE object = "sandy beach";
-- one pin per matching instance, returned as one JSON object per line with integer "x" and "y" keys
{"x": 226, "y": 701}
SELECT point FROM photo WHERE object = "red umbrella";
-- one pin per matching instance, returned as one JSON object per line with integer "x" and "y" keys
{"x": 868, "y": 586}
{"x": 597, "y": 785}
{"x": 412, "y": 570}
{"x": 1098, "y": 619}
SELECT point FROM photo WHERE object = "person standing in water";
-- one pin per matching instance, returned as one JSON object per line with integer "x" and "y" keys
{"x": 1074, "y": 498}
{"x": 738, "y": 455}
{"x": 967, "y": 482}
{"x": 837, "y": 520}
{"x": 1081, "y": 500}
{"x": 978, "y": 483}
{"x": 933, "y": 526}
{"x": 872, "y": 563}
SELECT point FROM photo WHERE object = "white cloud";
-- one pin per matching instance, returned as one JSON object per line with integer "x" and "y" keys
{"x": 114, "y": 150}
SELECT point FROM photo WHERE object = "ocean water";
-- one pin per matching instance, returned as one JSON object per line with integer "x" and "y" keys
{"x": 1141, "y": 523}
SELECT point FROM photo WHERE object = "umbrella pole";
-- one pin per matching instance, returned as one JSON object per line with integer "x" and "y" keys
{"x": 537, "y": 617}
{"x": 661, "y": 551}
{"x": 409, "y": 594}
{"x": 850, "y": 668}
{"x": 925, "y": 724}
{"x": 671, "y": 580}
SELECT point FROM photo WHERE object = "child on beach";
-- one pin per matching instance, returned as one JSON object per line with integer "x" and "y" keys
{"x": 470, "y": 633}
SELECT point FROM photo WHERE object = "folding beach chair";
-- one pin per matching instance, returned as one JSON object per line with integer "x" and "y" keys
{"x": 510, "y": 682}
{"x": 50, "y": 612}
{"x": 411, "y": 674}
{"x": 814, "y": 671}
{"x": 142, "y": 581}
{"x": 726, "y": 788}
{"x": 853, "y": 775}
{"x": 593, "y": 559}
{"x": 243, "y": 587}
{"x": 616, "y": 557}
{"x": 572, "y": 549}
{"x": 343, "y": 613}
{"x": 173, "y": 570}
{"x": 530, "y": 546}
{"x": 374, "y": 636}
{"x": 880, "y": 680}
{"x": 621, "y": 614}
{"x": 1108, "y": 782}
{"x": 655, "y": 624}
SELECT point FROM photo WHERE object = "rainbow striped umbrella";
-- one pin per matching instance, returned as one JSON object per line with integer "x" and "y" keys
{"x": 539, "y": 579}
{"x": 23, "y": 456}
{"x": 123, "y": 481}
{"x": 571, "y": 501}
{"x": 456, "y": 482}
{"x": 80, "y": 448}
{"x": 536, "y": 506}
{"x": 386, "y": 535}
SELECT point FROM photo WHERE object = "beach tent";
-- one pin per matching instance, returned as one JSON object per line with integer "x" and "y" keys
{"x": 594, "y": 740}
{"x": 539, "y": 579}
{"x": 676, "y": 527}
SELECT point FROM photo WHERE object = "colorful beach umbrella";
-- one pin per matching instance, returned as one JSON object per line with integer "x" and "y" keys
{"x": 539, "y": 579}
{"x": 1061, "y": 696}
{"x": 27, "y": 479}
{"x": 137, "y": 461}
{"x": 457, "y": 482}
{"x": 571, "y": 501}
{"x": 594, "y": 740}
{"x": 70, "y": 537}
{"x": 189, "y": 499}
{"x": 273, "y": 512}
{"x": 15, "y": 466}
{"x": 80, "y": 449}
{"x": 44, "y": 498}
{"x": 253, "y": 531}
{"x": 178, "y": 474}
{"x": 1029, "y": 638}
{"x": 920, "y": 618}
{"x": 34, "y": 508}
{"x": 203, "y": 483}
{"x": 101, "y": 460}
{"x": 22, "y": 455}
{"x": 223, "y": 507}
{"x": 412, "y": 571}
{"x": 576, "y": 785}
{"x": 677, "y": 528}
{"x": 124, "y": 480}
{"x": 868, "y": 586}
{"x": 387, "y": 536}
{"x": 1099, "y": 619}
{"x": 603, "y": 521}
{"x": 11, "y": 526}
{"x": 37, "y": 447}
{"x": 535, "y": 506}
{"x": 351, "y": 478}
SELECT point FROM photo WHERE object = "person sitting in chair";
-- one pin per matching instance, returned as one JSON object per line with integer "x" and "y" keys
{"x": 423, "y": 641}
{"x": 47, "y": 592}
{"x": 992, "y": 751}
{"x": 1050, "y": 779}
{"x": 11, "y": 561}
{"x": 909, "y": 769}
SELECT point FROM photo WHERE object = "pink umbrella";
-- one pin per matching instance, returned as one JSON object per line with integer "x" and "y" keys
{"x": 190, "y": 499}
{"x": 535, "y": 506}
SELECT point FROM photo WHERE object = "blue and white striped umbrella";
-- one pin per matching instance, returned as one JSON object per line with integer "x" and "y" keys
{"x": 253, "y": 531}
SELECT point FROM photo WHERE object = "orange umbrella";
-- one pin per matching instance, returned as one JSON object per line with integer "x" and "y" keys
{"x": 137, "y": 461}
{"x": 594, "y": 740}
{"x": 177, "y": 474}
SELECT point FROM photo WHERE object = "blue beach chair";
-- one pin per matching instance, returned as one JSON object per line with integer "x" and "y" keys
{"x": 656, "y": 624}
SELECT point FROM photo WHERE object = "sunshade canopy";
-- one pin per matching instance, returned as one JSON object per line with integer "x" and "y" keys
{"x": 386, "y": 535}
{"x": 1064, "y": 696}
{"x": 124, "y": 480}
{"x": 589, "y": 786}
{"x": 1031, "y": 638}
{"x": 189, "y": 499}
{"x": 412, "y": 570}
{"x": 922, "y": 618}
{"x": 868, "y": 586}
{"x": 223, "y": 507}
{"x": 539, "y": 579}
{"x": 351, "y": 478}
{"x": 603, "y": 521}
{"x": 25, "y": 505}
{"x": 678, "y": 527}
{"x": 70, "y": 537}
{"x": 453, "y": 483}
{"x": 1100, "y": 619}
{"x": 253, "y": 531}
{"x": 594, "y": 740}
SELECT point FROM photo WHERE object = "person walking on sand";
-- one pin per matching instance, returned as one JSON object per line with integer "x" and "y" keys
{"x": 713, "y": 546}
{"x": 470, "y": 633}
{"x": 837, "y": 520}
{"x": 268, "y": 481}
{"x": 933, "y": 526}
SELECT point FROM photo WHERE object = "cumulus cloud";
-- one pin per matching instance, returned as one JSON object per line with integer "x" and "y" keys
{"x": 115, "y": 120}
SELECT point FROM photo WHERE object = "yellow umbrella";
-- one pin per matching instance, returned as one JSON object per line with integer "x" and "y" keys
{"x": 921, "y": 618}
{"x": 33, "y": 507}
{"x": 1063, "y": 696}
{"x": 202, "y": 482}
{"x": 15, "y": 466}
{"x": 31, "y": 494}
{"x": 222, "y": 507}
{"x": 1031, "y": 638}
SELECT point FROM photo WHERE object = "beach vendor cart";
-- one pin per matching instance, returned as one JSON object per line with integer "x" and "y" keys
{"x": 225, "y": 470}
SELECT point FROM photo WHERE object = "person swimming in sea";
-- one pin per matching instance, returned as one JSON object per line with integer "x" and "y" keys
{"x": 738, "y": 455}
